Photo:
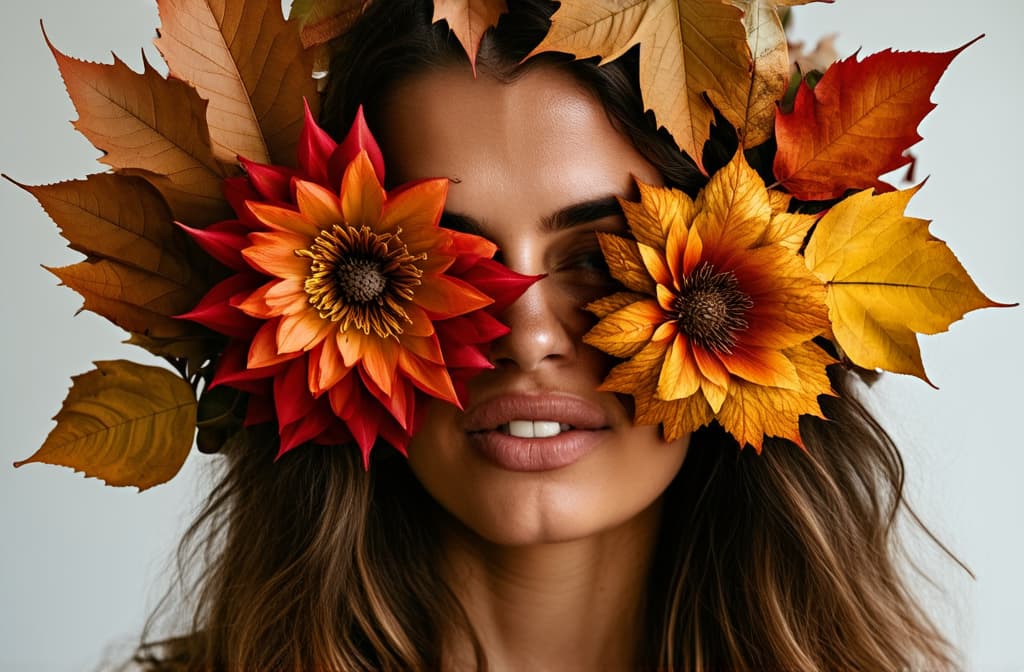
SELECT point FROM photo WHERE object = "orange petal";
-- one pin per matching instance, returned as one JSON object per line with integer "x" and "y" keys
{"x": 326, "y": 368}
{"x": 320, "y": 205}
{"x": 428, "y": 348}
{"x": 626, "y": 331}
{"x": 694, "y": 252}
{"x": 284, "y": 220}
{"x": 714, "y": 394}
{"x": 679, "y": 377}
{"x": 445, "y": 297}
{"x": 665, "y": 331}
{"x": 275, "y": 298}
{"x": 362, "y": 197}
{"x": 762, "y": 366}
{"x": 301, "y": 331}
{"x": 421, "y": 324}
{"x": 431, "y": 378}
{"x": 711, "y": 367}
{"x": 274, "y": 254}
{"x": 654, "y": 262}
{"x": 263, "y": 349}
{"x": 379, "y": 361}
{"x": 351, "y": 344}
{"x": 666, "y": 297}
{"x": 416, "y": 210}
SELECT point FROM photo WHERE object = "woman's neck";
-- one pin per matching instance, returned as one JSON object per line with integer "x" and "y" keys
{"x": 572, "y": 605}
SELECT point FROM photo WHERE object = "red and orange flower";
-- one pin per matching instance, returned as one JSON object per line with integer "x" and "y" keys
{"x": 349, "y": 304}
{"x": 720, "y": 310}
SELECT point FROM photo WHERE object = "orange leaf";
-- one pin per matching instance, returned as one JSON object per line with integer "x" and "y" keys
{"x": 152, "y": 127}
{"x": 469, "y": 20}
{"x": 887, "y": 279}
{"x": 124, "y": 423}
{"x": 609, "y": 304}
{"x": 857, "y": 123}
{"x": 626, "y": 331}
{"x": 687, "y": 50}
{"x": 625, "y": 262}
{"x": 249, "y": 63}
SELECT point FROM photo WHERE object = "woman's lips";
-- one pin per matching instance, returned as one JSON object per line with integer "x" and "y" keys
{"x": 555, "y": 430}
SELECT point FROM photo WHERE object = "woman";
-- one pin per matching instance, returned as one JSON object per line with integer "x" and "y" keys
{"x": 541, "y": 528}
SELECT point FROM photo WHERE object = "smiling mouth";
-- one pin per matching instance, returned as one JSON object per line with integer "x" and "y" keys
{"x": 533, "y": 429}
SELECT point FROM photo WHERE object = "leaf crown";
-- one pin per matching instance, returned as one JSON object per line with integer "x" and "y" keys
{"x": 732, "y": 306}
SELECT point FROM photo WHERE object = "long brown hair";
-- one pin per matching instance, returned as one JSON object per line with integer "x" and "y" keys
{"x": 786, "y": 560}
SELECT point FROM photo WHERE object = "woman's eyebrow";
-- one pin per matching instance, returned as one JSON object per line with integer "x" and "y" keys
{"x": 565, "y": 218}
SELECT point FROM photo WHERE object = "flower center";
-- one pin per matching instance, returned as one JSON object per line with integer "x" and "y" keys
{"x": 710, "y": 308}
{"x": 361, "y": 279}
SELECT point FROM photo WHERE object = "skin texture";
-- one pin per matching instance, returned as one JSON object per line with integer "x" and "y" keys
{"x": 550, "y": 565}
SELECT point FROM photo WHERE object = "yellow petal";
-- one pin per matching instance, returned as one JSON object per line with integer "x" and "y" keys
{"x": 654, "y": 262}
{"x": 679, "y": 377}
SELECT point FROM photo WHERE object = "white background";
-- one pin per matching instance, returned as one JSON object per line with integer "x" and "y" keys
{"x": 81, "y": 564}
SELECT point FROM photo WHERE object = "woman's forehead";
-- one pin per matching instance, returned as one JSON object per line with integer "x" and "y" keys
{"x": 539, "y": 142}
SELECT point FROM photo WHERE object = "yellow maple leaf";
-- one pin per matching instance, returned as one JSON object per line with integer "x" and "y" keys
{"x": 687, "y": 50}
{"x": 888, "y": 279}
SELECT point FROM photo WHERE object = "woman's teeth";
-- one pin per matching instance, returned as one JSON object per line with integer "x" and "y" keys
{"x": 534, "y": 429}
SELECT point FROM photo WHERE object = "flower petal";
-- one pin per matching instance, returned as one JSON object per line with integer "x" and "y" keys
{"x": 654, "y": 262}
{"x": 379, "y": 362}
{"x": 762, "y": 366}
{"x": 318, "y": 204}
{"x": 274, "y": 254}
{"x": 679, "y": 377}
{"x": 431, "y": 378}
{"x": 285, "y": 220}
{"x": 625, "y": 332}
{"x": 263, "y": 349}
{"x": 443, "y": 297}
{"x": 362, "y": 197}
{"x": 301, "y": 331}
{"x": 416, "y": 210}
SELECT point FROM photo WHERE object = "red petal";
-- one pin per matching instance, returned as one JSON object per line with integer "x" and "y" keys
{"x": 358, "y": 139}
{"x": 497, "y": 281}
{"x": 263, "y": 349}
{"x": 291, "y": 397}
{"x": 215, "y": 312}
{"x": 272, "y": 183}
{"x": 223, "y": 241}
{"x": 309, "y": 428}
{"x": 315, "y": 149}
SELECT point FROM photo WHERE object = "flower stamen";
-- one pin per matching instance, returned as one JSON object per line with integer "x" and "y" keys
{"x": 360, "y": 278}
{"x": 710, "y": 308}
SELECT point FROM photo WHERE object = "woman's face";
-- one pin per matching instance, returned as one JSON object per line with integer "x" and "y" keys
{"x": 535, "y": 165}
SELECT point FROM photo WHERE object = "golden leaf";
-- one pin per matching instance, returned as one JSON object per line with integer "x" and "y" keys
{"x": 249, "y": 63}
{"x": 469, "y": 20}
{"x": 626, "y": 331}
{"x": 687, "y": 50}
{"x": 887, "y": 280}
{"x": 770, "y": 53}
{"x": 625, "y": 262}
{"x": 609, "y": 304}
{"x": 151, "y": 127}
{"x": 124, "y": 423}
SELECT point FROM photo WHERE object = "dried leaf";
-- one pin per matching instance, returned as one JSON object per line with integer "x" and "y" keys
{"x": 469, "y": 20}
{"x": 135, "y": 300}
{"x": 249, "y": 63}
{"x": 320, "y": 21}
{"x": 770, "y": 53}
{"x": 887, "y": 280}
{"x": 625, "y": 262}
{"x": 124, "y": 423}
{"x": 152, "y": 127}
{"x": 857, "y": 122}
{"x": 687, "y": 50}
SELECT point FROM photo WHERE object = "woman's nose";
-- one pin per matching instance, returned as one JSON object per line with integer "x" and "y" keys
{"x": 541, "y": 330}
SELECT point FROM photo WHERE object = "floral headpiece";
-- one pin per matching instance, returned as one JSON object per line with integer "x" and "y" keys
{"x": 269, "y": 266}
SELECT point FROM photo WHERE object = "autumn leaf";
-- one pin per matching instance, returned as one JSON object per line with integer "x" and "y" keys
{"x": 857, "y": 122}
{"x": 320, "y": 21}
{"x": 135, "y": 300}
{"x": 469, "y": 20}
{"x": 125, "y": 423}
{"x": 687, "y": 50}
{"x": 249, "y": 63}
{"x": 151, "y": 127}
{"x": 887, "y": 280}
{"x": 123, "y": 222}
{"x": 770, "y": 54}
